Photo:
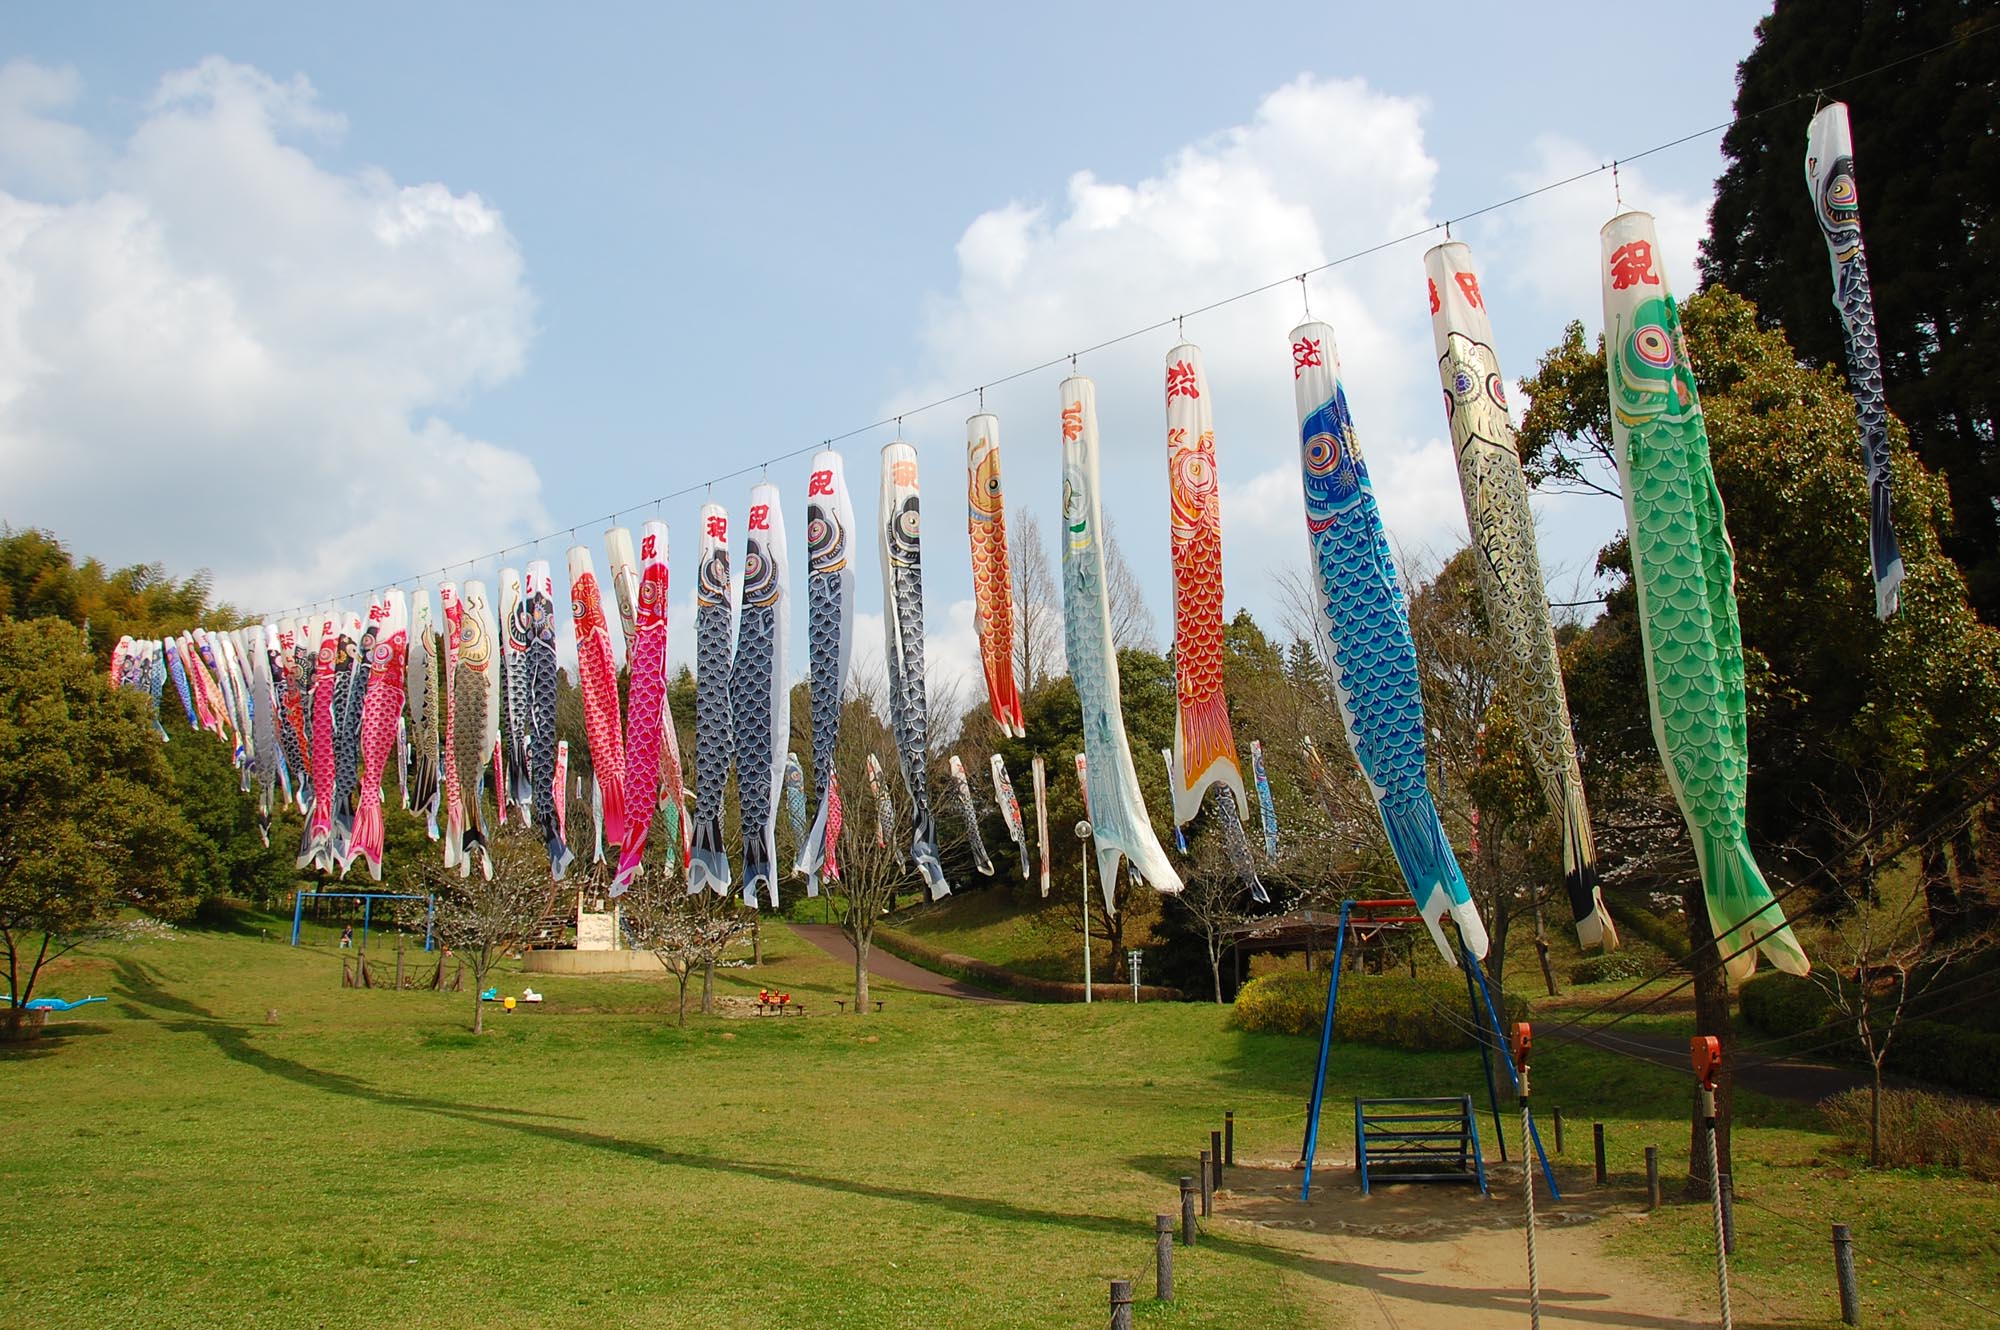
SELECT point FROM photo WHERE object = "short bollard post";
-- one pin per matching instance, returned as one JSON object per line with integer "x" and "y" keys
{"x": 1187, "y": 1211}
{"x": 1597, "y": 1142}
{"x": 1121, "y": 1304}
{"x": 1229, "y": 1139}
{"x": 1652, "y": 1177}
{"x": 1207, "y": 1196}
{"x": 1215, "y": 1160}
{"x": 1843, "y": 1269}
{"x": 1559, "y": 1129}
{"x": 1728, "y": 1215}
{"x": 1163, "y": 1231}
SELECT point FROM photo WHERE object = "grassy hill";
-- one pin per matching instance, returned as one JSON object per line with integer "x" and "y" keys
{"x": 235, "y": 1140}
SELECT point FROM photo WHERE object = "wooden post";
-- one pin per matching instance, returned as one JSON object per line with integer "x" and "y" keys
{"x": 1215, "y": 1160}
{"x": 1163, "y": 1263}
{"x": 1121, "y": 1304}
{"x": 1843, "y": 1270}
{"x": 1597, "y": 1141}
{"x": 1187, "y": 1211}
{"x": 1559, "y": 1129}
{"x": 1229, "y": 1139}
{"x": 1652, "y": 1177}
{"x": 1207, "y": 1192}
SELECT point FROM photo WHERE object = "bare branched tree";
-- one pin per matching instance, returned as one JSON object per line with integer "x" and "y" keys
{"x": 480, "y": 919}
{"x": 1038, "y": 643}
{"x": 872, "y": 867}
{"x": 688, "y": 933}
{"x": 1881, "y": 953}
{"x": 1132, "y": 623}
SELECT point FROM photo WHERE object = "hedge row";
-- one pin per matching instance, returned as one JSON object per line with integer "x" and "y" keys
{"x": 1424, "y": 1015}
{"x": 1789, "y": 1005}
{"x": 999, "y": 979}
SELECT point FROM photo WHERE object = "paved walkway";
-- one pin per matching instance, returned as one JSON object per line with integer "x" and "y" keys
{"x": 881, "y": 965}
{"x": 1804, "y": 1080}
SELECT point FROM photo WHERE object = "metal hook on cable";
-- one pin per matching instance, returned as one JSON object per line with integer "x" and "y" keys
{"x": 1617, "y": 192}
{"x": 1305, "y": 296}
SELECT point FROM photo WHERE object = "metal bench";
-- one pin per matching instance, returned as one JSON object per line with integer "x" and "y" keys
{"x": 1417, "y": 1140}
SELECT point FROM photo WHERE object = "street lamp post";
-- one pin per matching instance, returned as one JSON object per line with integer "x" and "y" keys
{"x": 1083, "y": 836}
{"x": 1132, "y": 967}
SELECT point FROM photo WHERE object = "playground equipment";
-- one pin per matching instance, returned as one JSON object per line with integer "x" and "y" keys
{"x": 1418, "y": 1140}
{"x": 367, "y": 899}
{"x": 1378, "y": 916}
{"x": 51, "y": 1004}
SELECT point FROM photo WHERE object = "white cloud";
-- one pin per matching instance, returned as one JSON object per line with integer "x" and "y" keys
{"x": 217, "y": 352}
{"x": 1322, "y": 169}
{"x": 1546, "y": 248}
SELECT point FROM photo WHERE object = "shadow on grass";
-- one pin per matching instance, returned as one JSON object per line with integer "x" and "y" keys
{"x": 48, "y": 1040}
{"x": 234, "y": 1042}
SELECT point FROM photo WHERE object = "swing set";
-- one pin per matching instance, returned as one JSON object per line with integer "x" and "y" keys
{"x": 367, "y": 899}
{"x": 1414, "y": 1140}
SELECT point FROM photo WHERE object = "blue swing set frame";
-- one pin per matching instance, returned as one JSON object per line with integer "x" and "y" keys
{"x": 1397, "y": 913}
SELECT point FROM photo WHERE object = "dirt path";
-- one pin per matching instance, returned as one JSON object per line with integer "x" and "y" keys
{"x": 881, "y": 965}
{"x": 1437, "y": 1257}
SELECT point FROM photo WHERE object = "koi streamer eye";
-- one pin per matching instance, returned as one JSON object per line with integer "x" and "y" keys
{"x": 1496, "y": 388}
{"x": 1654, "y": 346}
{"x": 1322, "y": 454}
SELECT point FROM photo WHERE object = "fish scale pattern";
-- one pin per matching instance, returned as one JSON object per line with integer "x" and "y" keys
{"x": 968, "y": 812}
{"x": 1837, "y": 205}
{"x": 829, "y": 641}
{"x": 543, "y": 752}
{"x": 1502, "y": 524}
{"x": 709, "y": 864}
{"x": 646, "y": 701}
{"x": 1684, "y": 573}
{"x": 903, "y": 626}
{"x": 597, "y": 681}
{"x": 1367, "y": 631}
{"x": 1204, "y": 750}
{"x": 756, "y": 692}
{"x": 1120, "y": 826}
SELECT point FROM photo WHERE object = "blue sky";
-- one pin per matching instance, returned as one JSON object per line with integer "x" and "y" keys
{"x": 317, "y": 297}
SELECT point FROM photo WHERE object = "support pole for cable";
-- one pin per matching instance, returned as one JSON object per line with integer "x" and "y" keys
{"x": 1705, "y": 1050}
{"x": 1523, "y": 1040}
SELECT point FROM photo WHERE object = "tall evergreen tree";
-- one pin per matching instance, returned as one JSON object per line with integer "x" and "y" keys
{"x": 1927, "y": 153}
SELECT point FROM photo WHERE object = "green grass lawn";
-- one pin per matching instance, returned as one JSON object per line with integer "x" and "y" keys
{"x": 172, "y": 1159}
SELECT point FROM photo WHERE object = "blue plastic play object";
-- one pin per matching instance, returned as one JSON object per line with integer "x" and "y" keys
{"x": 490, "y": 995}
{"x": 53, "y": 1004}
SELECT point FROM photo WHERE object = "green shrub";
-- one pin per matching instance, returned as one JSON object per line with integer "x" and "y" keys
{"x": 1789, "y": 1005}
{"x": 1920, "y": 1129}
{"x": 1629, "y": 963}
{"x": 1785, "y": 1004}
{"x": 1946, "y": 1054}
{"x": 1668, "y": 934}
{"x": 1423, "y": 1015}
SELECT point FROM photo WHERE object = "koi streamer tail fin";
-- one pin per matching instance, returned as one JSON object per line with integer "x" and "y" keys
{"x": 1431, "y": 870}
{"x": 1586, "y": 901}
{"x": 760, "y": 867}
{"x": 1742, "y": 910}
{"x": 709, "y": 865}
{"x": 813, "y": 848}
{"x": 629, "y": 855}
{"x": 367, "y": 840}
{"x": 924, "y": 850}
